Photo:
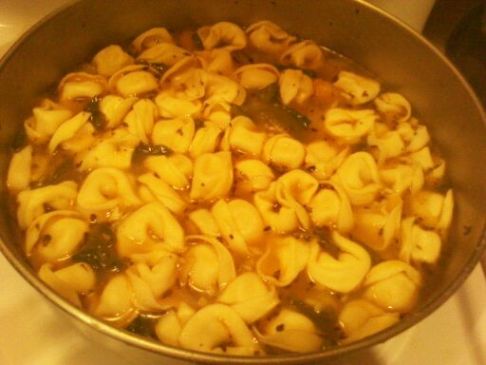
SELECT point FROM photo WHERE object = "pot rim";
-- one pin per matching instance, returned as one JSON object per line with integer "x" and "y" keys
{"x": 179, "y": 353}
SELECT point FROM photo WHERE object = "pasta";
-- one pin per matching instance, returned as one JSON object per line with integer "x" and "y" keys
{"x": 214, "y": 326}
{"x": 46, "y": 118}
{"x": 248, "y": 295}
{"x": 291, "y": 331}
{"x": 111, "y": 59}
{"x": 295, "y": 86}
{"x": 231, "y": 190}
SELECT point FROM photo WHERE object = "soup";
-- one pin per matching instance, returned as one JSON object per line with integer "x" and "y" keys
{"x": 231, "y": 190}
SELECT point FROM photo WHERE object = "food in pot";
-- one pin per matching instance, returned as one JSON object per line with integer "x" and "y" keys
{"x": 231, "y": 190}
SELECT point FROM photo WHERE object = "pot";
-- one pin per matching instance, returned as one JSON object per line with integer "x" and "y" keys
{"x": 402, "y": 59}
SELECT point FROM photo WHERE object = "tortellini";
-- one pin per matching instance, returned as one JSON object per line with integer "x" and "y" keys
{"x": 151, "y": 38}
{"x": 401, "y": 178}
{"x": 231, "y": 190}
{"x": 35, "y": 202}
{"x": 434, "y": 209}
{"x": 343, "y": 273}
{"x": 54, "y": 236}
{"x": 114, "y": 108}
{"x": 185, "y": 79}
{"x": 393, "y": 285}
{"x": 388, "y": 143}
{"x": 295, "y": 87}
{"x": 379, "y": 226}
{"x": 208, "y": 265}
{"x": 156, "y": 188}
{"x": 294, "y": 190}
{"x": 239, "y": 223}
{"x": 169, "y": 326}
{"x": 418, "y": 244}
{"x": 19, "y": 170}
{"x": 222, "y": 35}
{"x": 284, "y": 259}
{"x": 133, "y": 80}
{"x": 360, "y": 318}
{"x": 349, "y": 125}
{"x": 256, "y": 76}
{"x": 305, "y": 54}
{"x": 150, "y": 282}
{"x": 221, "y": 90}
{"x": 140, "y": 120}
{"x": 357, "y": 89}
{"x": 204, "y": 222}
{"x": 68, "y": 130}
{"x": 111, "y": 59}
{"x": 105, "y": 191}
{"x": 165, "y": 53}
{"x": 46, "y": 118}
{"x": 176, "y": 170}
{"x": 358, "y": 176}
{"x": 330, "y": 207}
{"x": 115, "y": 150}
{"x": 322, "y": 159}
{"x": 148, "y": 227}
{"x": 291, "y": 331}
{"x": 250, "y": 297}
{"x": 81, "y": 85}
{"x": 213, "y": 176}
{"x": 217, "y": 328}
{"x": 269, "y": 37}
{"x": 70, "y": 281}
{"x": 171, "y": 106}
{"x": 205, "y": 140}
{"x": 115, "y": 303}
{"x": 394, "y": 107}
{"x": 279, "y": 218}
{"x": 177, "y": 134}
{"x": 253, "y": 175}
{"x": 217, "y": 61}
{"x": 245, "y": 137}
{"x": 283, "y": 152}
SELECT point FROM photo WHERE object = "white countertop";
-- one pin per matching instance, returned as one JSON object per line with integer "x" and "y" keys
{"x": 31, "y": 332}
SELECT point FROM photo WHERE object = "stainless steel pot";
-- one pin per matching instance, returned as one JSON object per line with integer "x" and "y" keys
{"x": 402, "y": 59}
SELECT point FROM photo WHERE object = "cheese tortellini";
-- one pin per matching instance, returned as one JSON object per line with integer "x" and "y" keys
{"x": 208, "y": 265}
{"x": 291, "y": 331}
{"x": 230, "y": 189}
{"x": 239, "y": 223}
{"x": 343, "y": 273}
{"x": 217, "y": 328}
{"x": 35, "y": 202}
{"x": 283, "y": 152}
{"x": 71, "y": 281}
{"x": 250, "y": 297}
{"x": 213, "y": 176}
{"x": 148, "y": 227}
{"x": 54, "y": 236}
{"x": 284, "y": 259}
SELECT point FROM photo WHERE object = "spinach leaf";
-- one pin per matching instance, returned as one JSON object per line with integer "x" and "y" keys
{"x": 97, "y": 119}
{"x": 143, "y": 150}
{"x": 142, "y": 326}
{"x": 99, "y": 250}
{"x": 264, "y": 107}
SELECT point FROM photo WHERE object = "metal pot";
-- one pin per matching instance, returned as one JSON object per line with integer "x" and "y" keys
{"x": 401, "y": 58}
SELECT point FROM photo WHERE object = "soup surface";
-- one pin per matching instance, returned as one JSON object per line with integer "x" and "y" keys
{"x": 230, "y": 190}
